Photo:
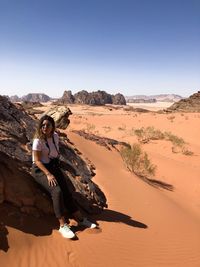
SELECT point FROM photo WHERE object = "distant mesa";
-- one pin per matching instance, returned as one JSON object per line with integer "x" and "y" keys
{"x": 97, "y": 98}
{"x": 141, "y": 100}
{"x": 14, "y": 98}
{"x": 190, "y": 104}
{"x": 153, "y": 98}
{"x": 34, "y": 97}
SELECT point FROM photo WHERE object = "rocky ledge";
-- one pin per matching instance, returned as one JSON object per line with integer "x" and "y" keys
{"x": 17, "y": 186}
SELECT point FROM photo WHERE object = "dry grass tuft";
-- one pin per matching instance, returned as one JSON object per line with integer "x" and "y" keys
{"x": 150, "y": 133}
{"x": 137, "y": 161}
{"x": 144, "y": 135}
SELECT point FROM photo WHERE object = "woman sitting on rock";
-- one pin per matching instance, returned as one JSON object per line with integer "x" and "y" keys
{"x": 47, "y": 173}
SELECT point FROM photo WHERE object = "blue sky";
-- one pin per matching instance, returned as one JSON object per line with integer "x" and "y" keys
{"x": 128, "y": 46}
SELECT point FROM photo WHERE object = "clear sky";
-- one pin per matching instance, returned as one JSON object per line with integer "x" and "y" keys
{"x": 128, "y": 46}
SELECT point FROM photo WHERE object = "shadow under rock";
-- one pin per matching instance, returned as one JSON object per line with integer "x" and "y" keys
{"x": 3, "y": 238}
{"x": 115, "y": 216}
{"x": 13, "y": 217}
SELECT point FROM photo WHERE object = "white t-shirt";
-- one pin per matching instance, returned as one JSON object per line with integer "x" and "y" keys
{"x": 46, "y": 153}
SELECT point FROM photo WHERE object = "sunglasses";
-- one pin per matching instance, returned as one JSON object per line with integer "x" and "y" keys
{"x": 48, "y": 125}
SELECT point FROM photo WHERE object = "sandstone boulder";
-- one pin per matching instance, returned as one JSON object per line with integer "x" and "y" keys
{"x": 60, "y": 114}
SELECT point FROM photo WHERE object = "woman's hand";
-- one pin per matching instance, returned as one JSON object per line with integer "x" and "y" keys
{"x": 51, "y": 179}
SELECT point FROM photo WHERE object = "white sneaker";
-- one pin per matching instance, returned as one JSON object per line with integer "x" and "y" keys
{"x": 66, "y": 232}
{"x": 88, "y": 224}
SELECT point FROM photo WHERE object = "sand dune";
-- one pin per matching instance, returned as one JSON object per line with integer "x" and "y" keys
{"x": 143, "y": 226}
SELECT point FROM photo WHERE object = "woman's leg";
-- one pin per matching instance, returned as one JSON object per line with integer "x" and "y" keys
{"x": 67, "y": 197}
{"x": 54, "y": 191}
{"x": 58, "y": 203}
{"x": 69, "y": 202}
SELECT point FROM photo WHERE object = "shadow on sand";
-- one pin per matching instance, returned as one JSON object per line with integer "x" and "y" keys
{"x": 12, "y": 217}
{"x": 118, "y": 217}
{"x": 157, "y": 183}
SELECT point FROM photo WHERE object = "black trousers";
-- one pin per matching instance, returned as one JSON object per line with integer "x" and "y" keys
{"x": 60, "y": 194}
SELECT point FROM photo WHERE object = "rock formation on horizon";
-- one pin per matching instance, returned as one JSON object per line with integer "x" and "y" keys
{"x": 190, "y": 104}
{"x": 18, "y": 188}
{"x": 36, "y": 97}
{"x": 141, "y": 100}
{"x": 118, "y": 99}
{"x": 32, "y": 97}
{"x": 14, "y": 98}
{"x": 97, "y": 98}
{"x": 67, "y": 98}
{"x": 153, "y": 98}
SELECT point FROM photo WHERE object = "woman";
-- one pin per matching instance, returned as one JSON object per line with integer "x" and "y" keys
{"x": 47, "y": 173}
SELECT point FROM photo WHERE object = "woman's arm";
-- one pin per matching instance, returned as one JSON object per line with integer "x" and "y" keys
{"x": 37, "y": 159}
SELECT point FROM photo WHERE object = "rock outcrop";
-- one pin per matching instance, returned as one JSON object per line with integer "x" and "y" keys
{"x": 34, "y": 97}
{"x": 31, "y": 107}
{"x": 94, "y": 98}
{"x": 190, "y": 104}
{"x": 67, "y": 98}
{"x": 60, "y": 114}
{"x": 15, "y": 98}
{"x": 108, "y": 143}
{"x": 17, "y": 186}
{"x": 118, "y": 99}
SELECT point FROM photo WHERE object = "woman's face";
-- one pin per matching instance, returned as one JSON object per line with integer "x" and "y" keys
{"x": 46, "y": 127}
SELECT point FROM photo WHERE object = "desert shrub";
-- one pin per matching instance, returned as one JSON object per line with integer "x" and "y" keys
{"x": 176, "y": 141}
{"x": 137, "y": 161}
{"x": 140, "y": 133}
{"x": 150, "y": 133}
{"x": 154, "y": 134}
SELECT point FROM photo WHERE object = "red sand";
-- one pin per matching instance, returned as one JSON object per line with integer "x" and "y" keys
{"x": 143, "y": 226}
